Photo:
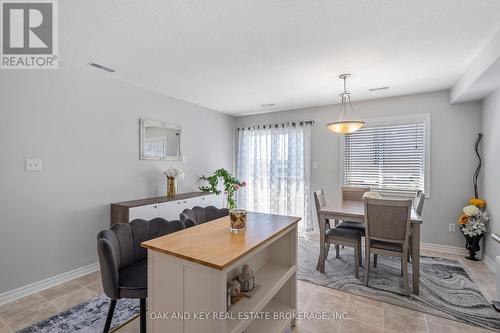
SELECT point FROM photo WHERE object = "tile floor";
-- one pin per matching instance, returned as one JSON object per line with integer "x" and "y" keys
{"x": 362, "y": 314}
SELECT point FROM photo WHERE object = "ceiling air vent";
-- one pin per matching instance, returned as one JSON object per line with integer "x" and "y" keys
{"x": 101, "y": 67}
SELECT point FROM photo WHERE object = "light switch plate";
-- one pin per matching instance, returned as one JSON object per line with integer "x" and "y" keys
{"x": 33, "y": 164}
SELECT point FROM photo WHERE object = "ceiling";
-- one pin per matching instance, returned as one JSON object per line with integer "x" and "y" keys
{"x": 235, "y": 55}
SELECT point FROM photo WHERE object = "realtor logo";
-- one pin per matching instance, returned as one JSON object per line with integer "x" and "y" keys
{"x": 29, "y": 34}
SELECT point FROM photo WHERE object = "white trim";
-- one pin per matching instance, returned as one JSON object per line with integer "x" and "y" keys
{"x": 443, "y": 248}
{"x": 456, "y": 250}
{"x": 490, "y": 263}
{"x": 35, "y": 287}
{"x": 399, "y": 120}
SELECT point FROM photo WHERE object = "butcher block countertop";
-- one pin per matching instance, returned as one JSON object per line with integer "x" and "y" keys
{"x": 213, "y": 245}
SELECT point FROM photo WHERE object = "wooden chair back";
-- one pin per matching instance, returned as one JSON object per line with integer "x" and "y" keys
{"x": 319, "y": 201}
{"x": 388, "y": 220}
{"x": 354, "y": 193}
{"x": 418, "y": 202}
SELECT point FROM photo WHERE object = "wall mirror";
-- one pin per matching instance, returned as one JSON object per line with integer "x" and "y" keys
{"x": 159, "y": 140}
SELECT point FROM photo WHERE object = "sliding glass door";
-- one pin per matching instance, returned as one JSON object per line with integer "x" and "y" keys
{"x": 275, "y": 163}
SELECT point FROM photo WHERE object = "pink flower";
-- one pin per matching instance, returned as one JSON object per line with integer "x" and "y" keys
{"x": 244, "y": 184}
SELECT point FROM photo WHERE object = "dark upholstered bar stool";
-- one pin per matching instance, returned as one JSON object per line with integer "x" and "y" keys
{"x": 199, "y": 215}
{"x": 123, "y": 261}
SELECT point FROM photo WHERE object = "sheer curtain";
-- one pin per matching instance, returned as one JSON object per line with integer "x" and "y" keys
{"x": 275, "y": 163}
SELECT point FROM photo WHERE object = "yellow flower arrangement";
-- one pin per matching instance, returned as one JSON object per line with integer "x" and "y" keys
{"x": 478, "y": 202}
{"x": 463, "y": 219}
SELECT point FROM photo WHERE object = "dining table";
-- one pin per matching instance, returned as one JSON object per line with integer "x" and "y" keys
{"x": 354, "y": 211}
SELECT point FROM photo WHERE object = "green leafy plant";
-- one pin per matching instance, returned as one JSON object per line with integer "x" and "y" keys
{"x": 231, "y": 185}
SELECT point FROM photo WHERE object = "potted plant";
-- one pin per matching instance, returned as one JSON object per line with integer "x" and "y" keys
{"x": 231, "y": 185}
{"x": 472, "y": 223}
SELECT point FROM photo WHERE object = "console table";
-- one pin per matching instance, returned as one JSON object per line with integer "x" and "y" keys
{"x": 188, "y": 272}
{"x": 165, "y": 207}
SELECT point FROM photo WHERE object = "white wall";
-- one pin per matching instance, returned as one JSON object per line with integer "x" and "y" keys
{"x": 491, "y": 171}
{"x": 84, "y": 125}
{"x": 454, "y": 130}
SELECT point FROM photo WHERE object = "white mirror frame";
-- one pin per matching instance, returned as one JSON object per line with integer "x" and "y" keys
{"x": 143, "y": 123}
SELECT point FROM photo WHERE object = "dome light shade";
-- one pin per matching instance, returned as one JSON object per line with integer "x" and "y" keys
{"x": 348, "y": 120}
{"x": 344, "y": 127}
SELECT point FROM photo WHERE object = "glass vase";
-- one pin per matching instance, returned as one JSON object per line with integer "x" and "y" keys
{"x": 238, "y": 219}
{"x": 171, "y": 187}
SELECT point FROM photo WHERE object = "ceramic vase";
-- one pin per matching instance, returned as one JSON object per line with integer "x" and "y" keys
{"x": 472, "y": 245}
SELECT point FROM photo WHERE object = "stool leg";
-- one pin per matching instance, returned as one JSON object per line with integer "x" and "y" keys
{"x": 109, "y": 318}
{"x": 337, "y": 250}
{"x": 375, "y": 257}
{"x": 143, "y": 316}
{"x": 327, "y": 250}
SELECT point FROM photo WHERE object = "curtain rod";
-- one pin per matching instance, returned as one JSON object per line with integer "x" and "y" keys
{"x": 290, "y": 123}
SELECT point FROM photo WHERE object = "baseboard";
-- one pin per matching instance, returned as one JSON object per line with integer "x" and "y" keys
{"x": 35, "y": 287}
{"x": 490, "y": 263}
{"x": 443, "y": 248}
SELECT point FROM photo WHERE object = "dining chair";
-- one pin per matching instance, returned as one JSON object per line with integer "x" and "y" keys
{"x": 387, "y": 232}
{"x": 123, "y": 261}
{"x": 418, "y": 202}
{"x": 338, "y": 236}
{"x": 343, "y": 224}
{"x": 353, "y": 193}
{"x": 418, "y": 205}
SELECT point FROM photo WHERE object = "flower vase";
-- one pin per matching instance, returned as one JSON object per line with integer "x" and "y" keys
{"x": 238, "y": 218}
{"x": 171, "y": 187}
{"x": 472, "y": 245}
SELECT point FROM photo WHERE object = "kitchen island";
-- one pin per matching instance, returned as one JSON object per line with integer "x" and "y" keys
{"x": 188, "y": 272}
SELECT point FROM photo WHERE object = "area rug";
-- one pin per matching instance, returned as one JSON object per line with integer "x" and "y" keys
{"x": 87, "y": 317}
{"x": 446, "y": 290}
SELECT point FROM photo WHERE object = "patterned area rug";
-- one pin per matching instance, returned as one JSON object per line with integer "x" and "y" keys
{"x": 87, "y": 317}
{"x": 446, "y": 290}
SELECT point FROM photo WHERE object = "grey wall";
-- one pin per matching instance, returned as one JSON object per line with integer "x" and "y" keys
{"x": 453, "y": 132}
{"x": 84, "y": 125}
{"x": 491, "y": 172}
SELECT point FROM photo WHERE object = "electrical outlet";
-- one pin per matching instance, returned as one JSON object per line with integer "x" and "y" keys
{"x": 452, "y": 227}
{"x": 33, "y": 164}
{"x": 315, "y": 165}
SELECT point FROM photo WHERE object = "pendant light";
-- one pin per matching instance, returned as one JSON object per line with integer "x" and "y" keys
{"x": 348, "y": 120}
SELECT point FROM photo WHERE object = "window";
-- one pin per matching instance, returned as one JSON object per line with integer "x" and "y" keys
{"x": 389, "y": 155}
{"x": 274, "y": 162}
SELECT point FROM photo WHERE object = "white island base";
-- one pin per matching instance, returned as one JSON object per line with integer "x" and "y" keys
{"x": 187, "y": 285}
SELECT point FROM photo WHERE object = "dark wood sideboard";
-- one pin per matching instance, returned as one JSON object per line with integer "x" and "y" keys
{"x": 165, "y": 207}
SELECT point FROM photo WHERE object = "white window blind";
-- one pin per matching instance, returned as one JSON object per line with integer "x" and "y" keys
{"x": 389, "y": 157}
